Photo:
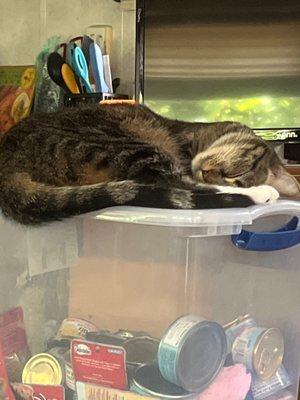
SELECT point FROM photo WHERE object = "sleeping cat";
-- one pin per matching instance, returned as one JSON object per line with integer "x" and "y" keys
{"x": 78, "y": 160}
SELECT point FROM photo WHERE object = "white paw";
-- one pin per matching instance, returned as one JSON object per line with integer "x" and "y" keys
{"x": 262, "y": 194}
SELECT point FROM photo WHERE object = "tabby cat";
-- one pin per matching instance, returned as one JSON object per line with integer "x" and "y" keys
{"x": 78, "y": 160}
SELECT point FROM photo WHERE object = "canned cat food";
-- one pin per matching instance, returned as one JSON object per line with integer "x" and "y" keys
{"x": 69, "y": 373}
{"x": 64, "y": 358}
{"x": 70, "y": 384}
{"x": 235, "y": 328}
{"x": 128, "y": 334}
{"x": 105, "y": 338}
{"x": 42, "y": 369}
{"x": 192, "y": 352}
{"x": 59, "y": 354}
{"x": 75, "y": 328}
{"x": 148, "y": 381}
{"x": 260, "y": 350}
{"x": 141, "y": 350}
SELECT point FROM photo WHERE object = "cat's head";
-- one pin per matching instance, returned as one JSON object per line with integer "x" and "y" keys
{"x": 244, "y": 160}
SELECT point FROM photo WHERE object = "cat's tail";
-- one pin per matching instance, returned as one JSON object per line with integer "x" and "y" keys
{"x": 30, "y": 202}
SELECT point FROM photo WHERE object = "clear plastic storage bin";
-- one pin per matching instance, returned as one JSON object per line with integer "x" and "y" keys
{"x": 204, "y": 299}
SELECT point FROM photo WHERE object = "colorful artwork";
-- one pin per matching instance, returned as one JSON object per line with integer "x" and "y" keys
{"x": 16, "y": 94}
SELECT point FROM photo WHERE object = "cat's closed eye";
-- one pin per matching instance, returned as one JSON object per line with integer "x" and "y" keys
{"x": 211, "y": 174}
{"x": 236, "y": 174}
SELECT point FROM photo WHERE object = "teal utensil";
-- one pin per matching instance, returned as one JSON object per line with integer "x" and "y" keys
{"x": 81, "y": 69}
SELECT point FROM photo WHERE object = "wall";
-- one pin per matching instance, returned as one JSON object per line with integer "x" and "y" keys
{"x": 25, "y": 25}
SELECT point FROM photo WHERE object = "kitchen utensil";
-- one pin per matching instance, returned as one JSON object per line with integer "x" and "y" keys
{"x": 97, "y": 68}
{"x": 70, "y": 49}
{"x": 69, "y": 78}
{"x": 54, "y": 64}
{"x": 85, "y": 47}
{"x": 81, "y": 69}
{"x": 107, "y": 72}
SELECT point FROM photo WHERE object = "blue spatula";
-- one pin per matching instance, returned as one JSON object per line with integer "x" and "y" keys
{"x": 96, "y": 61}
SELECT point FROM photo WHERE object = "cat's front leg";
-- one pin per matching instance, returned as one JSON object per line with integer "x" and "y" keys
{"x": 259, "y": 194}
{"x": 188, "y": 181}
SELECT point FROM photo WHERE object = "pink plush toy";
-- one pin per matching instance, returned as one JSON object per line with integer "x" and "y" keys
{"x": 232, "y": 383}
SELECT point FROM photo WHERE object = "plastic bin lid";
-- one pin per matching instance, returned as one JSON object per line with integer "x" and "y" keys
{"x": 196, "y": 218}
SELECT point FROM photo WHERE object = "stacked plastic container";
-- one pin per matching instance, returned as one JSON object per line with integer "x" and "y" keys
{"x": 218, "y": 291}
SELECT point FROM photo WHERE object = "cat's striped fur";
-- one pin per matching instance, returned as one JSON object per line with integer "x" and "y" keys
{"x": 79, "y": 160}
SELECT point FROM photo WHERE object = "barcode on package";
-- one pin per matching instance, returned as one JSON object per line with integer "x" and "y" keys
{"x": 261, "y": 389}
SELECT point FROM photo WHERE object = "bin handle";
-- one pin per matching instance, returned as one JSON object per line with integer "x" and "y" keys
{"x": 280, "y": 207}
{"x": 283, "y": 238}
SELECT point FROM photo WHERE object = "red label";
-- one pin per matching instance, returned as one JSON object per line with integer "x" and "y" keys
{"x": 49, "y": 392}
{"x": 99, "y": 363}
{"x": 12, "y": 332}
{"x": 39, "y": 392}
{"x": 5, "y": 390}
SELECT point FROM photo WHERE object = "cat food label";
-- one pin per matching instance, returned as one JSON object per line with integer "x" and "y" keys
{"x": 14, "y": 342}
{"x": 244, "y": 345}
{"x": 235, "y": 329}
{"x": 5, "y": 390}
{"x": 87, "y": 391}
{"x": 263, "y": 388}
{"x": 39, "y": 392}
{"x": 12, "y": 332}
{"x": 99, "y": 363}
{"x": 179, "y": 329}
{"x": 70, "y": 380}
{"x": 75, "y": 328}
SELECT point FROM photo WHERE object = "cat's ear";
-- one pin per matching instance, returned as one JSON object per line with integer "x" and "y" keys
{"x": 283, "y": 182}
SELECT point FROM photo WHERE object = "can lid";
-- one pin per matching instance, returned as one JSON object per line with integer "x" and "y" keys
{"x": 42, "y": 369}
{"x": 237, "y": 321}
{"x": 268, "y": 353}
{"x": 201, "y": 356}
{"x": 149, "y": 379}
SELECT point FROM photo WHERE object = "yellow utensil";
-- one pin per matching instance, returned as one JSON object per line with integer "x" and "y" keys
{"x": 69, "y": 78}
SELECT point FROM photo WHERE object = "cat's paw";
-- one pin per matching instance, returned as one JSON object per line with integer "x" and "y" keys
{"x": 262, "y": 194}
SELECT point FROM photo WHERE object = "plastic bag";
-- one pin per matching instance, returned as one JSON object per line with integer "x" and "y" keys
{"x": 48, "y": 95}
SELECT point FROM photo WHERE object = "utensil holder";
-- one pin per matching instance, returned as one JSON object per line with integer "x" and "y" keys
{"x": 74, "y": 100}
